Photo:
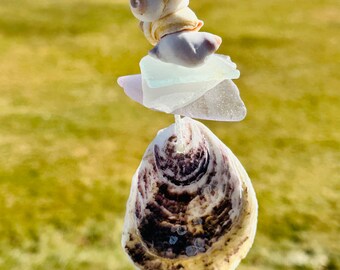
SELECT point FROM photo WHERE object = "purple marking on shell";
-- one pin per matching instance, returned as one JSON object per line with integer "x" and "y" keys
{"x": 181, "y": 168}
{"x": 199, "y": 242}
{"x": 191, "y": 251}
{"x": 181, "y": 230}
{"x": 173, "y": 240}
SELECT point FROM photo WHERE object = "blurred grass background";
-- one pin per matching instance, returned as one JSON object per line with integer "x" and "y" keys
{"x": 70, "y": 140}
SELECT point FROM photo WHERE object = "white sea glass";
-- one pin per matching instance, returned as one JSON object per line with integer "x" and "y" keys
{"x": 168, "y": 87}
{"x": 221, "y": 103}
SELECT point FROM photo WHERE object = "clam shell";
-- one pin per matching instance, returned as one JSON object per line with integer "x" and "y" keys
{"x": 194, "y": 210}
{"x": 183, "y": 19}
{"x": 152, "y": 10}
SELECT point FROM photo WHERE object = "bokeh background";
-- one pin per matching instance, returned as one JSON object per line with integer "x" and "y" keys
{"x": 70, "y": 140}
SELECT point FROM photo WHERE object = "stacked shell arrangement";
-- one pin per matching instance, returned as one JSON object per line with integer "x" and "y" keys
{"x": 192, "y": 205}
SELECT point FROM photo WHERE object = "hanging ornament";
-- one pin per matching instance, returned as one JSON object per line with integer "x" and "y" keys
{"x": 192, "y": 205}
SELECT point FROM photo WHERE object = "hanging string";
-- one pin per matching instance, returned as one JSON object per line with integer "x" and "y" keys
{"x": 178, "y": 130}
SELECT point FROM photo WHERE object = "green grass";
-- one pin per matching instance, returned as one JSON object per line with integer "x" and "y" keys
{"x": 70, "y": 140}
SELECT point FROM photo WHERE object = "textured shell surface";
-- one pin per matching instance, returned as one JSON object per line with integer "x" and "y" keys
{"x": 152, "y": 10}
{"x": 192, "y": 210}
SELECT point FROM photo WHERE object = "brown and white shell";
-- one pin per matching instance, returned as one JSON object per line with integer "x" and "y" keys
{"x": 189, "y": 210}
{"x": 181, "y": 20}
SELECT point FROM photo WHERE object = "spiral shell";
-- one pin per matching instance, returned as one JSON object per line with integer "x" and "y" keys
{"x": 152, "y": 10}
{"x": 183, "y": 19}
{"x": 190, "y": 210}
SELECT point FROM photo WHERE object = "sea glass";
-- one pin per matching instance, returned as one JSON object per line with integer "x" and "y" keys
{"x": 168, "y": 87}
{"x": 221, "y": 103}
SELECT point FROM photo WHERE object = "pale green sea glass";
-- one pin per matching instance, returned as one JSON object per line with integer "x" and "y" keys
{"x": 159, "y": 74}
{"x": 168, "y": 87}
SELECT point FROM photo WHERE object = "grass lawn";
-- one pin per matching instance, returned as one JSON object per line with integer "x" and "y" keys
{"x": 70, "y": 140}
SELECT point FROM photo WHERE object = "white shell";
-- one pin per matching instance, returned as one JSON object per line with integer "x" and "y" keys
{"x": 186, "y": 48}
{"x": 194, "y": 210}
{"x": 152, "y": 10}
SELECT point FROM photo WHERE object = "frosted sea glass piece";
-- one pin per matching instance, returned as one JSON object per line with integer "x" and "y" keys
{"x": 159, "y": 74}
{"x": 221, "y": 103}
{"x": 168, "y": 87}
{"x": 170, "y": 98}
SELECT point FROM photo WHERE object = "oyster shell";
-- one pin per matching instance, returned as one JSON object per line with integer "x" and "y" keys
{"x": 183, "y": 19}
{"x": 189, "y": 210}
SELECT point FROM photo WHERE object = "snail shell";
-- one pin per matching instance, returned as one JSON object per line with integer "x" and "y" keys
{"x": 189, "y": 210}
{"x": 183, "y": 19}
{"x": 152, "y": 10}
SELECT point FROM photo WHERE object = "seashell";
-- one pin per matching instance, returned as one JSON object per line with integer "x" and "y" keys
{"x": 189, "y": 210}
{"x": 183, "y": 19}
{"x": 186, "y": 48}
{"x": 152, "y": 10}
